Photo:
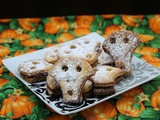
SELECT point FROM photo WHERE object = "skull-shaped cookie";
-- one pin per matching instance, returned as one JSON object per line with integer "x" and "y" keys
{"x": 71, "y": 74}
{"x": 121, "y": 45}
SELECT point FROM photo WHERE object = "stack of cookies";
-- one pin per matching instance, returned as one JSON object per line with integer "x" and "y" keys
{"x": 83, "y": 68}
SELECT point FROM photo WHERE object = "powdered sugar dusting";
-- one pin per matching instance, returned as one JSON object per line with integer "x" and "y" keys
{"x": 105, "y": 59}
{"x": 71, "y": 74}
{"x": 104, "y": 74}
{"x": 34, "y": 66}
{"x": 122, "y": 48}
{"x": 84, "y": 49}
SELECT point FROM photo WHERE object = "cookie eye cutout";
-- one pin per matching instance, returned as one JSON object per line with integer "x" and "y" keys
{"x": 126, "y": 40}
{"x": 72, "y": 46}
{"x": 64, "y": 68}
{"x": 113, "y": 40}
{"x": 78, "y": 69}
{"x": 70, "y": 92}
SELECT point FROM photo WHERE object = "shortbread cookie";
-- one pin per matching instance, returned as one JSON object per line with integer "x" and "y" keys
{"x": 118, "y": 79}
{"x": 86, "y": 49}
{"x": 105, "y": 76}
{"x": 102, "y": 91}
{"x": 51, "y": 54}
{"x": 34, "y": 70}
{"x": 105, "y": 59}
{"x": 53, "y": 93}
{"x": 54, "y": 89}
{"x": 71, "y": 74}
{"x": 87, "y": 89}
{"x": 121, "y": 45}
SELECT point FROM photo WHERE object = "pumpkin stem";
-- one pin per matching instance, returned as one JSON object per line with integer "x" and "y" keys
{"x": 12, "y": 97}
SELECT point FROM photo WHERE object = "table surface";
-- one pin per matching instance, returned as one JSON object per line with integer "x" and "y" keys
{"x": 21, "y": 36}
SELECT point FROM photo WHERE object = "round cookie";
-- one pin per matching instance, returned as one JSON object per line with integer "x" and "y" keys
{"x": 34, "y": 70}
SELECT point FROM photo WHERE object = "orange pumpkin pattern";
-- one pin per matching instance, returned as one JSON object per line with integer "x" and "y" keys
{"x": 4, "y": 20}
{"x": 144, "y": 50}
{"x": 24, "y": 35}
{"x": 29, "y": 23}
{"x": 18, "y": 105}
{"x": 107, "y": 16}
{"x": 3, "y": 82}
{"x": 132, "y": 20}
{"x": 81, "y": 31}
{"x": 84, "y": 21}
{"x": 102, "y": 111}
{"x": 132, "y": 92}
{"x": 146, "y": 38}
{"x": 9, "y": 33}
{"x": 64, "y": 37}
{"x": 110, "y": 29}
{"x": 155, "y": 99}
{"x": 125, "y": 106}
{"x": 31, "y": 43}
{"x": 56, "y": 24}
{"x": 4, "y": 51}
{"x": 154, "y": 23}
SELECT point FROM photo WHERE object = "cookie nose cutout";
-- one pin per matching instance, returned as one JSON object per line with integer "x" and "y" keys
{"x": 65, "y": 68}
{"x": 70, "y": 93}
{"x": 126, "y": 40}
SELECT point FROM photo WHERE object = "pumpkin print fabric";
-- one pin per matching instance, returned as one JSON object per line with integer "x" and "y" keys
{"x": 24, "y": 35}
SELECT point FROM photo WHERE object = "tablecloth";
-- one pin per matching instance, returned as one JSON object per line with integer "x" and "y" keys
{"x": 24, "y": 35}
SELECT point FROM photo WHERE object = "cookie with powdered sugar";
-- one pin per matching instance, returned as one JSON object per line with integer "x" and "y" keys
{"x": 54, "y": 90}
{"x": 71, "y": 73}
{"x": 105, "y": 76}
{"x": 121, "y": 45}
{"x": 51, "y": 54}
{"x": 105, "y": 59}
{"x": 86, "y": 49}
{"x": 34, "y": 70}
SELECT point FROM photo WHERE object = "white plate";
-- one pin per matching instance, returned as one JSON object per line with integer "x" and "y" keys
{"x": 142, "y": 72}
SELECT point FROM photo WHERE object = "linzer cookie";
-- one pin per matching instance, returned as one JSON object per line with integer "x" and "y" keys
{"x": 105, "y": 76}
{"x": 34, "y": 70}
{"x": 71, "y": 74}
{"x": 86, "y": 49}
{"x": 121, "y": 45}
